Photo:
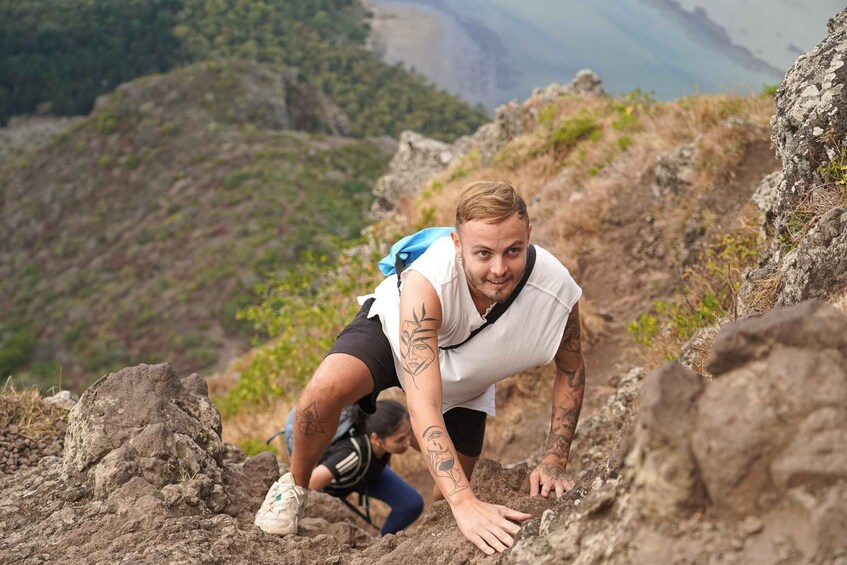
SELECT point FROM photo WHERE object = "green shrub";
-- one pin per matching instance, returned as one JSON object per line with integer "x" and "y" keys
{"x": 16, "y": 347}
{"x": 301, "y": 313}
{"x": 253, "y": 446}
{"x": 569, "y": 133}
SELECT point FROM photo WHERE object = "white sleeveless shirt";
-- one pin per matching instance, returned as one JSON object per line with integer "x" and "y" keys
{"x": 527, "y": 335}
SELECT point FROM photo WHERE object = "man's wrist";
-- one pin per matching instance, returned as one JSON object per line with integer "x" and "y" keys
{"x": 556, "y": 459}
{"x": 462, "y": 497}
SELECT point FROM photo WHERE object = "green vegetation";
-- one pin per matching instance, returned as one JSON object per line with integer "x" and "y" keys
{"x": 253, "y": 446}
{"x": 835, "y": 171}
{"x": 711, "y": 291}
{"x": 566, "y": 135}
{"x": 161, "y": 238}
{"x": 17, "y": 345}
{"x": 300, "y": 313}
{"x": 769, "y": 90}
{"x": 58, "y": 56}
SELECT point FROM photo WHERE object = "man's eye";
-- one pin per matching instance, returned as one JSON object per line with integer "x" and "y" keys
{"x": 514, "y": 250}
{"x": 483, "y": 253}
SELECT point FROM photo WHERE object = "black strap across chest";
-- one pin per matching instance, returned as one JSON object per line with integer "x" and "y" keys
{"x": 501, "y": 307}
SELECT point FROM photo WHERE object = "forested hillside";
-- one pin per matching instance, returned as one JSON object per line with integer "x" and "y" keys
{"x": 139, "y": 232}
{"x": 58, "y": 56}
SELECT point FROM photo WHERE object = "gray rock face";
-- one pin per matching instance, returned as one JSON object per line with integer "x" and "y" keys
{"x": 585, "y": 83}
{"x": 765, "y": 196}
{"x": 674, "y": 170}
{"x": 811, "y": 118}
{"x": 809, "y": 130}
{"x": 766, "y": 426}
{"x": 509, "y": 122}
{"x": 142, "y": 412}
{"x": 143, "y": 426}
{"x": 818, "y": 267}
{"x": 418, "y": 159}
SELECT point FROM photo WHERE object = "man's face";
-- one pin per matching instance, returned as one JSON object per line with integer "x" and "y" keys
{"x": 493, "y": 256}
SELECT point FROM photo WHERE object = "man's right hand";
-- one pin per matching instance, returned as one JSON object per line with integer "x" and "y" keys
{"x": 488, "y": 526}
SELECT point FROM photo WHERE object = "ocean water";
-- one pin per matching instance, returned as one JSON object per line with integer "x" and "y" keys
{"x": 498, "y": 50}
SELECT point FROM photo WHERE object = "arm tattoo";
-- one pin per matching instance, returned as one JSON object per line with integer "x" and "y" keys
{"x": 571, "y": 366}
{"x": 415, "y": 351}
{"x": 309, "y": 422}
{"x": 441, "y": 459}
{"x": 562, "y": 430}
{"x": 569, "y": 357}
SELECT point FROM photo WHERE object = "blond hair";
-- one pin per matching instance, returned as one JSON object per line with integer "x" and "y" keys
{"x": 491, "y": 201}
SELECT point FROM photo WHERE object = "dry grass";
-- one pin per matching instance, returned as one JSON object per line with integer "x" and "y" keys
{"x": 762, "y": 292}
{"x": 29, "y": 412}
{"x": 810, "y": 209}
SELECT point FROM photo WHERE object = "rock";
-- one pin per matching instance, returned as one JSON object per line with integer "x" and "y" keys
{"x": 757, "y": 431}
{"x": 665, "y": 473}
{"x": 113, "y": 411}
{"x": 584, "y": 83}
{"x": 509, "y": 122}
{"x": 765, "y": 196}
{"x": 674, "y": 170}
{"x": 195, "y": 384}
{"x": 810, "y": 103}
{"x": 63, "y": 399}
{"x": 752, "y": 525}
{"x": 417, "y": 159}
{"x": 812, "y": 324}
{"x": 818, "y": 267}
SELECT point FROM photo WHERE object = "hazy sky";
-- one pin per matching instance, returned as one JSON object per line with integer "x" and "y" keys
{"x": 497, "y": 50}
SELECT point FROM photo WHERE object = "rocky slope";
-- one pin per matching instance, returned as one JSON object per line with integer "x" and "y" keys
{"x": 745, "y": 466}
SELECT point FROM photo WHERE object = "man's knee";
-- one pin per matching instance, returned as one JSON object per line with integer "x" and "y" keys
{"x": 339, "y": 380}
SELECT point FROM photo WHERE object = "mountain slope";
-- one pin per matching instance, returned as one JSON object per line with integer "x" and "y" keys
{"x": 137, "y": 233}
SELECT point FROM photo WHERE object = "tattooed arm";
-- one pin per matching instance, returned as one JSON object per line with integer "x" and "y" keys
{"x": 568, "y": 391}
{"x": 488, "y": 526}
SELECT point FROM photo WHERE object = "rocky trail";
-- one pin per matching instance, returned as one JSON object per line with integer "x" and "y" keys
{"x": 746, "y": 466}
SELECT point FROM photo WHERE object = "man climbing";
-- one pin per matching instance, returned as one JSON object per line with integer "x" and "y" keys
{"x": 419, "y": 340}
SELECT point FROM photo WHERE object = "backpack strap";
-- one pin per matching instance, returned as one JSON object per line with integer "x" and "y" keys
{"x": 501, "y": 307}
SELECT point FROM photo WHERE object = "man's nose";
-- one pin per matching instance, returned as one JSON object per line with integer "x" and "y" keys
{"x": 498, "y": 266}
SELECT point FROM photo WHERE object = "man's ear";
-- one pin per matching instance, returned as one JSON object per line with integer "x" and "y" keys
{"x": 457, "y": 243}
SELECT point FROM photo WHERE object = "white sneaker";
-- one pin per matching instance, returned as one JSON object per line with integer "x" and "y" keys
{"x": 282, "y": 507}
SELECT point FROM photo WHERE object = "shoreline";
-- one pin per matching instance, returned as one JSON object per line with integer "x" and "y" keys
{"x": 435, "y": 44}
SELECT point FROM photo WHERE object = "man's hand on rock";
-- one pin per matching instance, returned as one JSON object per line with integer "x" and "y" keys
{"x": 550, "y": 476}
{"x": 488, "y": 526}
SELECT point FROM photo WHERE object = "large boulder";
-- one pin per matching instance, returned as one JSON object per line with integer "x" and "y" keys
{"x": 145, "y": 426}
{"x": 767, "y": 427}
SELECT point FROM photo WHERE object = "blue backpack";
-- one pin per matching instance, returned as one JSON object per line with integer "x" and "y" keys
{"x": 345, "y": 426}
{"x": 405, "y": 251}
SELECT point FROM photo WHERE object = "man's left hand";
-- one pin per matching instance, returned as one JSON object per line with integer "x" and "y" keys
{"x": 549, "y": 476}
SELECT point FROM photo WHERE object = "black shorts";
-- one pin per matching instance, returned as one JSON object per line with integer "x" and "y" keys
{"x": 364, "y": 340}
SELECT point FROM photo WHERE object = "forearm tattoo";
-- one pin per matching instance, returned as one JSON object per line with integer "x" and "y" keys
{"x": 415, "y": 350}
{"x": 441, "y": 458}
{"x": 309, "y": 422}
{"x": 569, "y": 356}
{"x": 562, "y": 430}
{"x": 570, "y": 364}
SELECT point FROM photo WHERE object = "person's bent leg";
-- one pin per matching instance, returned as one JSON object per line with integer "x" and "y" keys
{"x": 406, "y": 503}
{"x": 340, "y": 380}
